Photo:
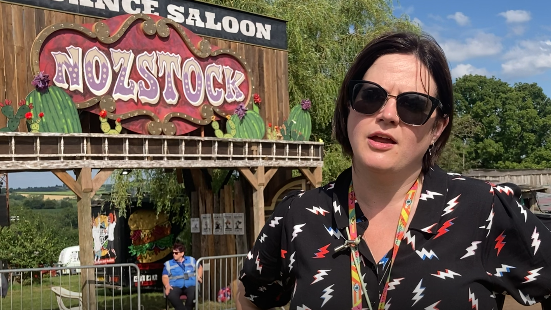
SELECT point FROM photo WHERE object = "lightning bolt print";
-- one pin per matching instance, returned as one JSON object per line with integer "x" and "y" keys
{"x": 433, "y": 306}
{"x": 318, "y": 211}
{"x": 275, "y": 221}
{"x": 470, "y": 250}
{"x": 490, "y": 220}
{"x": 444, "y": 229}
{"x": 297, "y": 229}
{"x": 428, "y": 229}
{"x": 446, "y": 274}
{"x": 250, "y": 255}
{"x": 426, "y": 254}
{"x": 283, "y": 252}
{"x": 535, "y": 240}
{"x": 334, "y": 232}
{"x": 327, "y": 294}
{"x": 418, "y": 291}
{"x": 303, "y": 307}
{"x": 322, "y": 252}
{"x": 451, "y": 205}
{"x": 503, "y": 269}
{"x": 258, "y": 266}
{"x": 392, "y": 284}
{"x": 251, "y": 297}
{"x": 504, "y": 189}
{"x": 429, "y": 195}
{"x": 523, "y": 211}
{"x": 336, "y": 207}
{"x": 291, "y": 261}
{"x": 532, "y": 274}
{"x": 499, "y": 242}
{"x": 331, "y": 185}
{"x": 526, "y": 298}
{"x": 262, "y": 238}
{"x": 410, "y": 239}
{"x": 387, "y": 304}
{"x": 319, "y": 276}
{"x": 473, "y": 300}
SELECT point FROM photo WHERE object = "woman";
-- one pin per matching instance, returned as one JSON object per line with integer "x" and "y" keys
{"x": 395, "y": 231}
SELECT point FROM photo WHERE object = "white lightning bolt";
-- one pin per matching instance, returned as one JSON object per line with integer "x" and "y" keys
{"x": 258, "y": 266}
{"x": 429, "y": 194}
{"x": 490, "y": 220}
{"x": 318, "y": 210}
{"x": 303, "y": 307}
{"x": 505, "y": 189}
{"x": 532, "y": 274}
{"x": 334, "y": 232}
{"x": 319, "y": 276}
{"x": 251, "y": 297}
{"x": 336, "y": 207}
{"x": 291, "y": 261}
{"x": 418, "y": 293}
{"x": 451, "y": 204}
{"x": 393, "y": 283}
{"x": 428, "y": 229}
{"x": 473, "y": 300}
{"x": 424, "y": 254}
{"x": 297, "y": 229}
{"x": 331, "y": 185}
{"x": 410, "y": 239}
{"x": 262, "y": 288}
{"x": 448, "y": 273}
{"x": 264, "y": 236}
{"x": 502, "y": 269}
{"x": 387, "y": 304}
{"x": 433, "y": 306}
{"x": 523, "y": 211}
{"x": 327, "y": 294}
{"x": 527, "y": 299}
{"x": 470, "y": 250}
{"x": 250, "y": 255}
{"x": 275, "y": 221}
{"x": 535, "y": 240}
{"x": 300, "y": 194}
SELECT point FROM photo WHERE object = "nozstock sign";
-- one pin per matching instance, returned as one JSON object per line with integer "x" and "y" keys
{"x": 154, "y": 75}
{"x": 201, "y": 18}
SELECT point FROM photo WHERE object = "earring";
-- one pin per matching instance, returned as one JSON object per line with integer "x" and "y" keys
{"x": 430, "y": 149}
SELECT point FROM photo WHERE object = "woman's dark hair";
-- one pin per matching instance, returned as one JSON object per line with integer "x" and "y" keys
{"x": 429, "y": 53}
{"x": 179, "y": 247}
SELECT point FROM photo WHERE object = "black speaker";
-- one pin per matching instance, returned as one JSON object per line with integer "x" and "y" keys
{"x": 4, "y": 211}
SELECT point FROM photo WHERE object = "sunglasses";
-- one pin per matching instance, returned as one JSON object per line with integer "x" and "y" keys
{"x": 176, "y": 253}
{"x": 413, "y": 108}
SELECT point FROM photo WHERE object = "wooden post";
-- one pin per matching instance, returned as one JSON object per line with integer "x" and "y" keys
{"x": 228, "y": 208}
{"x": 239, "y": 207}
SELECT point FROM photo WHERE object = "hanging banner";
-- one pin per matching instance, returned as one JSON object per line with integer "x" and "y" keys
{"x": 201, "y": 18}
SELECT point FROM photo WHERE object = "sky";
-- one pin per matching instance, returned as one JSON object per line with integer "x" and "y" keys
{"x": 510, "y": 40}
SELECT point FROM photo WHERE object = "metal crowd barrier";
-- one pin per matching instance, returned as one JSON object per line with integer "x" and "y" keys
{"x": 219, "y": 273}
{"x": 99, "y": 287}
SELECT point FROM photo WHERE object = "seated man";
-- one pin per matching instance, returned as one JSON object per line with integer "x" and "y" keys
{"x": 179, "y": 276}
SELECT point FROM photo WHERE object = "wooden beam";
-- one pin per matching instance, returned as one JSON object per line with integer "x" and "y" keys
{"x": 318, "y": 174}
{"x": 84, "y": 178}
{"x": 246, "y": 172}
{"x": 179, "y": 176}
{"x": 68, "y": 180}
{"x": 260, "y": 177}
{"x": 309, "y": 175}
{"x": 100, "y": 178}
{"x": 269, "y": 174}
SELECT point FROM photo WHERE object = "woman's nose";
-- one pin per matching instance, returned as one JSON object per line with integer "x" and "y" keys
{"x": 388, "y": 112}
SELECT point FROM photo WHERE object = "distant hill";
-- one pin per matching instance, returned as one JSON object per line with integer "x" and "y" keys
{"x": 54, "y": 190}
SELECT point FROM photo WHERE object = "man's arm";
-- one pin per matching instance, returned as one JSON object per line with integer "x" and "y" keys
{"x": 166, "y": 284}
{"x": 200, "y": 274}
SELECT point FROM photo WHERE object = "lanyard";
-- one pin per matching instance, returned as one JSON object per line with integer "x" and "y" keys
{"x": 354, "y": 240}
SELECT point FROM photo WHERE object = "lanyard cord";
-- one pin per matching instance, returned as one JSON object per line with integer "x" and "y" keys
{"x": 354, "y": 240}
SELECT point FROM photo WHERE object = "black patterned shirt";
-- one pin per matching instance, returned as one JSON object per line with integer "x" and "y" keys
{"x": 467, "y": 244}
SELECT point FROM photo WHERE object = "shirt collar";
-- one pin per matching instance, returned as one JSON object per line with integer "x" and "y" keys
{"x": 429, "y": 209}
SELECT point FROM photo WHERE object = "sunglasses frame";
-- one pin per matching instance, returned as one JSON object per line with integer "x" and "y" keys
{"x": 435, "y": 102}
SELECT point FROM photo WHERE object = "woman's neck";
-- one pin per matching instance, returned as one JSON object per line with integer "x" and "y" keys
{"x": 377, "y": 191}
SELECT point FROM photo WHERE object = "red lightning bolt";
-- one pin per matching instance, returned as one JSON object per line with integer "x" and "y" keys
{"x": 283, "y": 252}
{"x": 444, "y": 229}
{"x": 500, "y": 243}
{"x": 322, "y": 251}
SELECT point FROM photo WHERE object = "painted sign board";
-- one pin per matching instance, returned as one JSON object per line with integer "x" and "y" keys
{"x": 148, "y": 72}
{"x": 201, "y": 18}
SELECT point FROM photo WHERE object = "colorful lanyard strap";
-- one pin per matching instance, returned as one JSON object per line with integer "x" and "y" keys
{"x": 354, "y": 240}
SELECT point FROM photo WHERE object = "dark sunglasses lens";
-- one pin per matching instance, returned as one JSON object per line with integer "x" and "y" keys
{"x": 413, "y": 109}
{"x": 367, "y": 98}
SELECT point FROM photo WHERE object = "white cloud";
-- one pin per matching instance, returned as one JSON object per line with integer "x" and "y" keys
{"x": 528, "y": 57}
{"x": 418, "y": 22}
{"x": 483, "y": 44}
{"x": 465, "y": 69}
{"x": 437, "y": 18}
{"x": 460, "y": 18}
{"x": 516, "y": 16}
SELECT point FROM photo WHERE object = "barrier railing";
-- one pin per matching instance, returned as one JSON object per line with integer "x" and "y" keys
{"x": 98, "y": 287}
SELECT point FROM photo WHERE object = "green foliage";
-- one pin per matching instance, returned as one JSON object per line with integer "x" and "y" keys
{"x": 13, "y": 118}
{"x": 334, "y": 162}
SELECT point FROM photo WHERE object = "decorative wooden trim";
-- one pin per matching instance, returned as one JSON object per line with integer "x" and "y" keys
{"x": 246, "y": 172}
{"x": 312, "y": 178}
{"x": 68, "y": 180}
{"x": 269, "y": 174}
{"x": 100, "y": 179}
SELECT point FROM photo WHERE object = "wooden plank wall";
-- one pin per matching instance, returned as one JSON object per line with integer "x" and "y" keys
{"x": 20, "y": 25}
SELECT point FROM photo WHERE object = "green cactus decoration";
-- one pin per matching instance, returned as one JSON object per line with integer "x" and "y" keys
{"x": 13, "y": 118}
{"x": 230, "y": 125}
{"x": 301, "y": 120}
{"x": 248, "y": 124}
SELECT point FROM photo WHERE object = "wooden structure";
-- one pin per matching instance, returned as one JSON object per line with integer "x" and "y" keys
{"x": 530, "y": 177}
{"x": 259, "y": 162}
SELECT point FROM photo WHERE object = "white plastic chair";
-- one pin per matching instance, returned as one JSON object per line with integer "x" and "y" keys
{"x": 65, "y": 293}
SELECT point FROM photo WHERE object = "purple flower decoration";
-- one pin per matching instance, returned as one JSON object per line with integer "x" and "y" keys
{"x": 305, "y": 104}
{"x": 41, "y": 81}
{"x": 240, "y": 111}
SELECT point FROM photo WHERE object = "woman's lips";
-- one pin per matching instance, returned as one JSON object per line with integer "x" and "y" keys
{"x": 380, "y": 143}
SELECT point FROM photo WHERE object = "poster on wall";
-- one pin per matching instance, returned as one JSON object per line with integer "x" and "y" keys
{"x": 238, "y": 223}
{"x": 195, "y": 225}
{"x": 206, "y": 224}
{"x": 228, "y": 223}
{"x": 218, "y": 219}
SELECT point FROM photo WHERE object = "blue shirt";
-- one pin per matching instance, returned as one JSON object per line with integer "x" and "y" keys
{"x": 177, "y": 272}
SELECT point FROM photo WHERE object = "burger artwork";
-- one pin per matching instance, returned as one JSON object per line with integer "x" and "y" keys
{"x": 150, "y": 234}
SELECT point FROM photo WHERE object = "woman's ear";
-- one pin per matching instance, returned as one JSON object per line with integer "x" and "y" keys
{"x": 439, "y": 126}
